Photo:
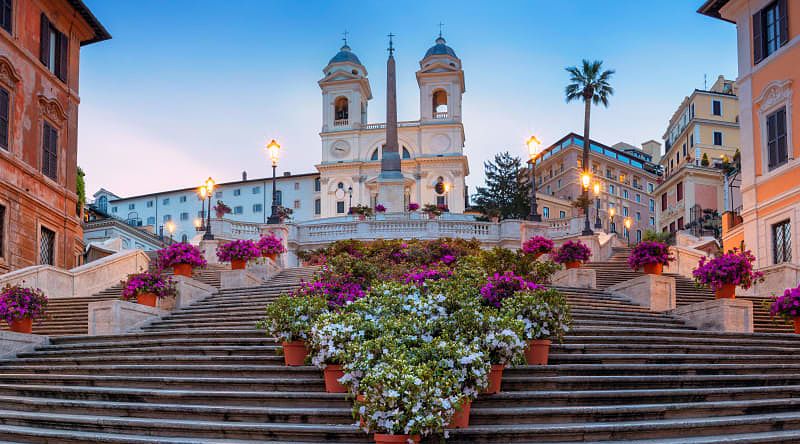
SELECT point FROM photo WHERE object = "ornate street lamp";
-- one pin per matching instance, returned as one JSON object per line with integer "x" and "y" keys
{"x": 611, "y": 227}
{"x": 586, "y": 181}
{"x": 628, "y": 223}
{"x": 350, "y": 192}
{"x": 274, "y": 148}
{"x": 209, "y": 191}
{"x": 202, "y": 193}
{"x": 534, "y": 148}
{"x": 597, "y": 222}
{"x": 170, "y": 226}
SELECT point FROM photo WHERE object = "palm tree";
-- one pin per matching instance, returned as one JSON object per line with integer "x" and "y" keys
{"x": 590, "y": 84}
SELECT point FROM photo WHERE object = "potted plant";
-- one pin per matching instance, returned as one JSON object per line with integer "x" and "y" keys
{"x": 412, "y": 207}
{"x": 271, "y": 246}
{"x": 147, "y": 288}
{"x": 380, "y": 208}
{"x": 724, "y": 273}
{"x": 289, "y": 319}
{"x": 329, "y": 341}
{"x": 572, "y": 253}
{"x": 182, "y": 257}
{"x": 537, "y": 246}
{"x": 502, "y": 286}
{"x": 238, "y": 252}
{"x": 433, "y": 211}
{"x": 362, "y": 211}
{"x": 546, "y": 317}
{"x": 651, "y": 256}
{"x": 20, "y": 306}
{"x": 221, "y": 209}
{"x": 788, "y": 307}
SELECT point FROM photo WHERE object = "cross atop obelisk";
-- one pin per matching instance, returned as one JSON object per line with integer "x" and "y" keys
{"x": 391, "y": 186}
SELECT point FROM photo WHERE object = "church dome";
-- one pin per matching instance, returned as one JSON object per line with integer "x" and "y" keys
{"x": 345, "y": 55}
{"x": 440, "y": 48}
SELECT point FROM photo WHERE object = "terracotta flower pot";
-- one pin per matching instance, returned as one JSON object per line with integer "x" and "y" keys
{"x": 294, "y": 353}
{"x": 460, "y": 419}
{"x": 728, "y": 291}
{"x": 149, "y": 299}
{"x": 182, "y": 270}
{"x": 272, "y": 256}
{"x": 332, "y": 374}
{"x": 238, "y": 264}
{"x": 572, "y": 264}
{"x": 23, "y": 325}
{"x": 361, "y": 422}
{"x": 797, "y": 325}
{"x": 537, "y": 255}
{"x": 495, "y": 379}
{"x": 382, "y": 438}
{"x": 538, "y": 351}
{"x": 655, "y": 269}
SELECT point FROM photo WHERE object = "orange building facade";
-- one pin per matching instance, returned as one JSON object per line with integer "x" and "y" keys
{"x": 768, "y": 34}
{"x": 40, "y": 43}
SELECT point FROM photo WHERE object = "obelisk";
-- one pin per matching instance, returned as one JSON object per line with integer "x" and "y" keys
{"x": 390, "y": 181}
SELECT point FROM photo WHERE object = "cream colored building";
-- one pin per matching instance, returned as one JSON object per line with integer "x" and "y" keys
{"x": 432, "y": 147}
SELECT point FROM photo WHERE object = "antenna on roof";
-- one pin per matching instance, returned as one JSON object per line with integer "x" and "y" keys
{"x": 705, "y": 81}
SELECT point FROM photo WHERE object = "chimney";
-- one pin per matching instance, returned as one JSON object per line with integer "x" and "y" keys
{"x": 244, "y": 176}
{"x": 287, "y": 173}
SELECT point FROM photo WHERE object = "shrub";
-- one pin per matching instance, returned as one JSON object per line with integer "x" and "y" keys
{"x": 181, "y": 253}
{"x": 289, "y": 318}
{"x": 504, "y": 286}
{"x": 734, "y": 267}
{"x": 238, "y": 250}
{"x": 545, "y": 314}
{"x": 647, "y": 253}
{"x": 147, "y": 282}
{"x": 573, "y": 251}
{"x": 787, "y": 306}
{"x": 18, "y": 302}
{"x": 657, "y": 236}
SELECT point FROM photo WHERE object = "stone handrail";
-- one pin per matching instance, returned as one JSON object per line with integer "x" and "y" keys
{"x": 686, "y": 260}
{"x": 82, "y": 281}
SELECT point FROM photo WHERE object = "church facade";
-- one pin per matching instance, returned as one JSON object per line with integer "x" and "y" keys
{"x": 433, "y": 164}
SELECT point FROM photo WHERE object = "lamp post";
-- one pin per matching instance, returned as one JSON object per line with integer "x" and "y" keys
{"x": 628, "y": 222}
{"x": 202, "y": 192}
{"x": 597, "y": 222}
{"x": 170, "y": 225}
{"x": 350, "y": 192}
{"x": 534, "y": 148}
{"x": 274, "y": 148}
{"x": 611, "y": 227}
{"x": 209, "y": 187}
{"x": 586, "y": 180}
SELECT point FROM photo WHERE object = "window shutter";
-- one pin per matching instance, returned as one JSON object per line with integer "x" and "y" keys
{"x": 45, "y": 150}
{"x": 54, "y": 153}
{"x": 758, "y": 44}
{"x": 63, "y": 47}
{"x": 780, "y": 133}
{"x": 772, "y": 154}
{"x": 44, "y": 41}
{"x": 4, "y": 114}
{"x": 783, "y": 21}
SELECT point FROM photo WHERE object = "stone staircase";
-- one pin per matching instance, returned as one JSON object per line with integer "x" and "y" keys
{"x": 204, "y": 374}
{"x": 616, "y": 270}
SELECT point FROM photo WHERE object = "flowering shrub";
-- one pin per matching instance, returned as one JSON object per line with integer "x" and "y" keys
{"x": 181, "y": 253}
{"x": 649, "y": 252}
{"x": 289, "y": 318}
{"x": 380, "y": 208}
{"x": 238, "y": 249}
{"x": 413, "y": 206}
{"x": 419, "y": 276}
{"x": 432, "y": 209}
{"x": 503, "y": 286}
{"x": 19, "y": 302}
{"x": 788, "y": 305}
{"x": 537, "y": 245}
{"x": 337, "y": 291}
{"x": 734, "y": 267}
{"x": 545, "y": 314}
{"x": 148, "y": 282}
{"x": 572, "y": 251}
{"x": 270, "y": 245}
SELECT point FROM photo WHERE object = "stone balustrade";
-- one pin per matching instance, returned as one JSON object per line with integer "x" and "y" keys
{"x": 82, "y": 281}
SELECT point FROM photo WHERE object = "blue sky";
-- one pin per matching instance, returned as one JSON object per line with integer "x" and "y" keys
{"x": 190, "y": 88}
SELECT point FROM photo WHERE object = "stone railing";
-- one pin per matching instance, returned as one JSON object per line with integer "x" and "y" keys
{"x": 82, "y": 281}
{"x": 441, "y": 115}
{"x": 233, "y": 229}
{"x": 341, "y": 122}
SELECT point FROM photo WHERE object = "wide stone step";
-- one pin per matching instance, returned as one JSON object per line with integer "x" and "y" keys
{"x": 180, "y": 381}
{"x": 210, "y": 350}
{"x": 527, "y": 383}
{"x": 668, "y": 358}
{"x": 650, "y": 369}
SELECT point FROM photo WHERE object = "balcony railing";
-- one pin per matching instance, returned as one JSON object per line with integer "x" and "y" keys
{"x": 441, "y": 115}
{"x": 341, "y": 122}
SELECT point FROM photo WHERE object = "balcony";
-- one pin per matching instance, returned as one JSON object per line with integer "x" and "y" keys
{"x": 341, "y": 122}
{"x": 444, "y": 115}
{"x": 731, "y": 219}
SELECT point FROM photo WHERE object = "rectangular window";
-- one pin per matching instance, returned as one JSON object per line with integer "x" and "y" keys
{"x": 562, "y": 214}
{"x": 201, "y": 214}
{"x": 7, "y": 15}
{"x": 237, "y": 192}
{"x": 611, "y": 190}
{"x": 257, "y": 208}
{"x": 317, "y": 184}
{"x": 5, "y": 114}
{"x": 717, "y": 138}
{"x": 317, "y": 206}
{"x": 664, "y": 202}
{"x": 638, "y": 198}
{"x": 770, "y": 30}
{"x": 782, "y": 242}
{"x": 716, "y": 107}
{"x": 546, "y": 213}
{"x": 53, "y": 49}
{"x": 47, "y": 245}
{"x": 238, "y": 209}
{"x": 679, "y": 191}
{"x": 625, "y": 211}
{"x": 650, "y": 187}
{"x": 165, "y": 201}
{"x": 440, "y": 200}
{"x": 167, "y": 218}
{"x": 256, "y": 190}
{"x": 278, "y": 197}
{"x": 149, "y": 204}
{"x": 182, "y": 199}
{"x": 625, "y": 194}
{"x": 131, "y": 206}
{"x": 340, "y": 207}
{"x": 218, "y": 194}
{"x": 113, "y": 209}
{"x": 691, "y": 139}
{"x": 652, "y": 221}
{"x": 297, "y": 185}
{"x": 184, "y": 216}
{"x": 296, "y": 204}
{"x": 684, "y": 153}
{"x": 652, "y": 205}
{"x": 151, "y": 220}
{"x": 2, "y": 230}
{"x": 672, "y": 227}
{"x": 638, "y": 216}
{"x": 680, "y": 223}
{"x": 777, "y": 151}
{"x": 49, "y": 151}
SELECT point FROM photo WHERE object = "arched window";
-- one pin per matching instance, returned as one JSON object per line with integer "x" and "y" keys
{"x": 439, "y": 104}
{"x": 406, "y": 154}
{"x": 340, "y": 185}
{"x": 374, "y": 155}
{"x": 184, "y": 238}
{"x": 341, "y": 107}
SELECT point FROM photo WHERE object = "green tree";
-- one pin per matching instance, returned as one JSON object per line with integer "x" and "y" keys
{"x": 589, "y": 83}
{"x": 704, "y": 161}
{"x": 80, "y": 190}
{"x": 507, "y": 190}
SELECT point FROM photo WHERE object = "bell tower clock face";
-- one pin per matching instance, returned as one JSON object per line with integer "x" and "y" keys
{"x": 339, "y": 193}
{"x": 340, "y": 149}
